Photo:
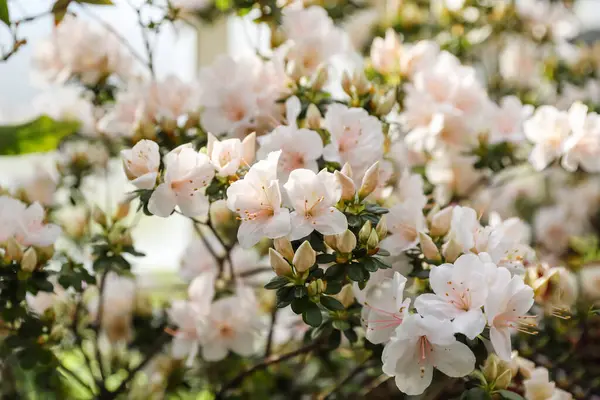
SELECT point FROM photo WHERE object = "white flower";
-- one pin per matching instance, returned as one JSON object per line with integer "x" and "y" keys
{"x": 386, "y": 53}
{"x": 31, "y": 230}
{"x": 547, "y": 130}
{"x": 385, "y": 309}
{"x": 452, "y": 174}
{"x": 300, "y": 148}
{"x": 257, "y": 200}
{"x": 11, "y": 210}
{"x": 41, "y": 187}
{"x": 582, "y": 148}
{"x": 421, "y": 344}
{"x": 191, "y": 5}
{"x": 418, "y": 56}
{"x": 540, "y": 387}
{"x": 314, "y": 197}
{"x": 519, "y": 62}
{"x": 187, "y": 174}
{"x": 589, "y": 277}
{"x": 141, "y": 164}
{"x": 228, "y": 155}
{"x": 553, "y": 226}
{"x": 356, "y": 138}
{"x": 508, "y": 300}
{"x": 404, "y": 221}
{"x": 463, "y": 227}
{"x": 459, "y": 293}
{"x": 410, "y": 189}
{"x": 507, "y": 120}
{"x": 128, "y": 114}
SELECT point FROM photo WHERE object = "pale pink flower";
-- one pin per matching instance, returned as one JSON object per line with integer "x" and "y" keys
{"x": 141, "y": 164}
{"x": 507, "y": 120}
{"x": 229, "y": 155}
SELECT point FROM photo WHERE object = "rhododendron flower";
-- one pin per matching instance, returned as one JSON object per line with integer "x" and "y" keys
{"x": 507, "y": 120}
{"x": 519, "y": 63}
{"x": 459, "y": 292}
{"x": 257, "y": 201}
{"x": 228, "y": 155}
{"x": 452, "y": 174}
{"x": 404, "y": 221}
{"x": 314, "y": 197}
{"x": 547, "y": 130}
{"x": 582, "y": 148}
{"x": 11, "y": 210}
{"x": 539, "y": 387}
{"x": 421, "y": 344}
{"x": 300, "y": 148}
{"x": 31, "y": 230}
{"x": 187, "y": 174}
{"x": 356, "y": 138}
{"x": 386, "y": 53}
{"x": 385, "y": 309}
{"x": 508, "y": 300}
{"x": 141, "y": 164}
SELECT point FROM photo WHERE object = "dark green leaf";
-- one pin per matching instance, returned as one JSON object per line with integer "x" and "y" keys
{"x": 335, "y": 339}
{"x": 285, "y": 293}
{"x": 4, "y": 14}
{"x": 40, "y": 135}
{"x": 380, "y": 264}
{"x": 333, "y": 287}
{"x": 277, "y": 282}
{"x": 331, "y": 303}
{"x": 369, "y": 264}
{"x": 508, "y": 395}
{"x": 383, "y": 253}
{"x": 59, "y": 9}
{"x": 351, "y": 335}
{"x": 300, "y": 291}
{"x": 341, "y": 325}
{"x": 300, "y": 305}
{"x": 354, "y": 221}
{"x": 356, "y": 272}
{"x": 335, "y": 271}
{"x": 325, "y": 258}
{"x": 312, "y": 315}
{"x": 475, "y": 394}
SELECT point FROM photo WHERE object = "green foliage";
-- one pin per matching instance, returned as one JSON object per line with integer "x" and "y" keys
{"x": 4, "y": 14}
{"x": 508, "y": 395}
{"x": 40, "y": 135}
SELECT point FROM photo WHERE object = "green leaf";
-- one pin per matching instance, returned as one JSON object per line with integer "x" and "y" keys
{"x": 300, "y": 291}
{"x": 277, "y": 282}
{"x": 369, "y": 264}
{"x": 356, "y": 273}
{"x": 476, "y": 393}
{"x": 341, "y": 325}
{"x": 331, "y": 303}
{"x": 333, "y": 287}
{"x": 97, "y": 2}
{"x": 351, "y": 335}
{"x": 300, "y": 305}
{"x": 325, "y": 258}
{"x": 40, "y": 135}
{"x": 508, "y": 395}
{"x": 4, "y": 14}
{"x": 59, "y": 9}
{"x": 335, "y": 271}
{"x": 312, "y": 315}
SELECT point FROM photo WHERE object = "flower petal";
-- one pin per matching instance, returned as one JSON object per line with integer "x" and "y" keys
{"x": 163, "y": 201}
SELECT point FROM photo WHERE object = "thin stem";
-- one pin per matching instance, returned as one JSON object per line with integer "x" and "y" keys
{"x": 271, "y": 332}
{"x": 254, "y": 271}
{"x": 145, "y": 38}
{"x": 263, "y": 365}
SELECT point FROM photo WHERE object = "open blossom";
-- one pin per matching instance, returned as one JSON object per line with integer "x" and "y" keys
{"x": 386, "y": 53}
{"x": 314, "y": 197}
{"x": 25, "y": 224}
{"x": 356, "y": 138}
{"x": 187, "y": 174}
{"x": 519, "y": 63}
{"x": 141, "y": 164}
{"x": 229, "y": 155}
{"x": 459, "y": 292}
{"x": 421, "y": 344}
{"x": 385, "y": 308}
{"x": 452, "y": 175}
{"x": 257, "y": 201}
{"x": 404, "y": 221}
{"x": 539, "y": 387}
{"x": 582, "y": 148}
{"x": 548, "y": 130}
{"x": 300, "y": 148}
{"x": 41, "y": 187}
{"x": 507, "y": 120}
{"x": 508, "y": 301}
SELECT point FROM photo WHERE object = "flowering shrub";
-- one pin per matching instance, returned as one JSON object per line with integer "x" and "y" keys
{"x": 404, "y": 228}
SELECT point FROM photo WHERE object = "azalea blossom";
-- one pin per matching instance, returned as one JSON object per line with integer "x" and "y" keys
{"x": 539, "y": 387}
{"x": 141, "y": 164}
{"x": 314, "y": 197}
{"x": 548, "y": 130}
{"x": 386, "y": 53}
{"x": 508, "y": 301}
{"x": 187, "y": 174}
{"x": 421, "y": 344}
{"x": 30, "y": 229}
{"x": 229, "y": 155}
{"x": 385, "y": 308}
{"x": 507, "y": 120}
{"x": 452, "y": 175}
{"x": 582, "y": 148}
{"x": 41, "y": 187}
{"x": 458, "y": 294}
{"x": 404, "y": 221}
{"x": 257, "y": 201}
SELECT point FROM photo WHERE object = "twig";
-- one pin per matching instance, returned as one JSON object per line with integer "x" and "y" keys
{"x": 269, "y": 344}
{"x": 255, "y": 271}
{"x": 145, "y": 38}
{"x": 76, "y": 377}
{"x": 263, "y": 365}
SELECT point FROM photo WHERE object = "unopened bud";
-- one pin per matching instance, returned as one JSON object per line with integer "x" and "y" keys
{"x": 313, "y": 117}
{"x": 347, "y": 185}
{"x": 347, "y": 83}
{"x": 99, "y": 216}
{"x": 440, "y": 222}
{"x": 315, "y": 288}
{"x": 369, "y": 181}
{"x": 45, "y": 253}
{"x": 249, "y": 148}
{"x": 122, "y": 210}
{"x": 429, "y": 249}
{"x": 345, "y": 296}
{"x": 346, "y": 242}
{"x": 452, "y": 250}
{"x": 295, "y": 71}
{"x": 361, "y": 83}
{"x": 490, "y": 368}
{"x": 29, "y": 261}
{"x": 386, "y": 103}
{"x": 13, "y": 250}
{"x": 284, "y": 247}
{"x": 320, "y": 79}
{"x": 373, "y": 241}
{"x": 347, "y": 170}
{"x": 503, "y": 381}
{"x": 279, "y": 264}
{"x": 381, "y": 228}
{"x": 331, "y": 241}
{"x": 305, "y": 257}
{"x": 365, "y": 232}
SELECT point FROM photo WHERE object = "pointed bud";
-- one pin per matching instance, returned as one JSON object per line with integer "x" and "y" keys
{"x": 284, "y": 247}
{"x": 490, "y": 368}
{"x": 211, "y": 140}
{"x": 305, "y": 257}
{"x": 347, "y": 185}
{"x": 45, "y": 253}
{"x": 295, "y": 71}
{"x": 369, "y": 181}
{"x": 345, "y": 296}
{"x": 313, "y": 117}
{"x": 99, "y": 216}
{"x": 440, "y": 222}
{"x": 347, "y": 170}
{"x": 452, "y": 250}
{"x": 320, "y": 79}
{"x": 381, "y": 228}
{"x": 249, "y": 148}
{"x": 29, "y": 261}
{"x": 346, "y": 241}
{"x": 373, "y": 241}
{"x": 503, "y": 381}
{"x": 278, "y": 263}
{"x": 122, "y": 210}
{"x": 365, "y": 232}
{"x": 386, "y": 103}
{"x": 13, "y": 250}
{"x": 361, "y": 83}
{"x": 429, "y": 249}
{"x": 315, "y": 288}
{"x": 347, "y": 83}
{"x": 331, "y": 241}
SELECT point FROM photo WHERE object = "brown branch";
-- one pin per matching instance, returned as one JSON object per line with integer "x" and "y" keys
{"x": 269, "y": 344}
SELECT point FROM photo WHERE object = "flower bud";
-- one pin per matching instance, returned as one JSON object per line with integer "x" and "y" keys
{"x": 381, "y": 228}
{"x": 313, "y": 117}
{"x": 29, "y": 261}
{"x": 452, "y": 250}
{"x": 440, "y": 222}
{"x": 346, "y": 242}
{"x": 347, "y": 185}
{"x": 295, "y": 71}
{"x": 305, "y": 257}
{"x": 13, "y": 250}
{"x": 317, "y": 287}
{"x": 284, "y": 247}
{"x": 122, "y": 210}
{"x": 360, "y": 82}
{"x": 386, "y": 103}
{"x": 369, "y": 181}
{"x": 320, "y": 78}
{"x": 365, "y": 232}
{"x": 278, "y": 263}
{"x": 345, "y": 296}
{"x": 429, "y": 249}
{"x": 373, "y": 241}
{"x": 347, "y": 83}
{"x": 503, "y": 381}
{"x": 490, "y": 368}
{"x": 249, "y": 148}
{"x": 347, "y": 170}
{"x": 99, "y": 216}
